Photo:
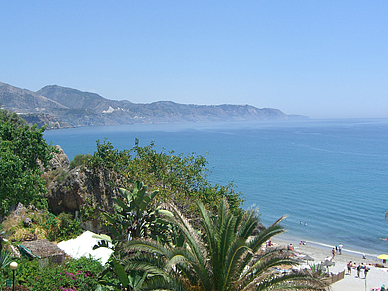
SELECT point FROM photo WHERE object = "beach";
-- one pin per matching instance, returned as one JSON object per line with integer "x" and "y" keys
{"x": 376, "y": 276}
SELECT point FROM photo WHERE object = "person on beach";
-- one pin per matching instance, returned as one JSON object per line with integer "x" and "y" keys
{"x": 366, "y": 271}
{"x": 349, "y": 265}
{"x": 358, "y": 271}
{"x": 333, "y": 252}
{"x": 340, "y": 246}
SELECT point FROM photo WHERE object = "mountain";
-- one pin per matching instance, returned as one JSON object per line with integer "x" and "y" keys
{"x": 63, "y": 107}
{"x": 25, "y": 100}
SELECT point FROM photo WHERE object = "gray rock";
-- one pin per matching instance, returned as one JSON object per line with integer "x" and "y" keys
{"x": 83, "y": 187}
{"x": 18, "y": 210}
{"x": 59, "y": 160}
{"x": 27, "y": 222}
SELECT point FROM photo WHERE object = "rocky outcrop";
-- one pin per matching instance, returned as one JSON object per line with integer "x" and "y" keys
{"x": 71, "y": 189}
{"x": 83, "y": 187}
{"x": 44, "y": 119}
{"x": 59, "y": 160}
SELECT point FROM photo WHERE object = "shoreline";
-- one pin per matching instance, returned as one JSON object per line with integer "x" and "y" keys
{"x": 285, "y": 237}
{"x": 376, "y": 277}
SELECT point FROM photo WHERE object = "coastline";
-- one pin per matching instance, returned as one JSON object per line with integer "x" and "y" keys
{"x": 287, "y": 238}
{"x": 376, "y": 277}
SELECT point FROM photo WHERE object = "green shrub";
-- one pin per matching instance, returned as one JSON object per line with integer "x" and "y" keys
{"x": 61, "y": 176}
{"x": 62, "y": 227}
{"x": 79, "y": 160}
{"x": 89, "y": 212}
{"x": 76, "y": 275}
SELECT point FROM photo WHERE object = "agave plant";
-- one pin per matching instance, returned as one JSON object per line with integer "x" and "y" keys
{"x": 224, "y": 257}
{"x": 5, "y": 257}
{"x": 135, "y": 215}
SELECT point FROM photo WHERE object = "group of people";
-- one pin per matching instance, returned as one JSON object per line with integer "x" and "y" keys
{"x": 337, "y": 249}
{"x": 358, "y": 267}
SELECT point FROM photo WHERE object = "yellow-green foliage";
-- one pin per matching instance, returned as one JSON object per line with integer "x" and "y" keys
{"x": 16, "y": 231}
{"x": 44, "y": 225}
{"x": 59, "y": 174}
{"x": 79, "y": 160}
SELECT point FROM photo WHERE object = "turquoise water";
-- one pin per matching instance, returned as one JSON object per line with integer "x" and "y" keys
{"x": 331, "y": 174}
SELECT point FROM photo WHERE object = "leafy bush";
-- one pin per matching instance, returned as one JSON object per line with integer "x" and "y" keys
{"x": 79, "y": 160}
{"x": 77, "y": 275}
{"x": 89, "y": 212}
{"x": 181, "y": 179}
{"x": 23, "y": 152}
{"x": 62, "y": 227}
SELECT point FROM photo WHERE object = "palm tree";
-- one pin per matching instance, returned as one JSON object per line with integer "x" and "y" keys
{"x": 224, "y": 257}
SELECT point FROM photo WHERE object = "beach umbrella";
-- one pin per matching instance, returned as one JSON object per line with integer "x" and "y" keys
{"x": 307, "y": 258}
{"x": 383, "y": 257}
{"x": 327, "y": 263}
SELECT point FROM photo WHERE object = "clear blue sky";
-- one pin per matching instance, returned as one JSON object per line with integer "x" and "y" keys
{"x": 323, "y": 59}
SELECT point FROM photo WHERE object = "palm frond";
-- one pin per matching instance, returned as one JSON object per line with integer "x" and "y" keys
{"x": 231, "y": 262}
{"x": 171, "y": 283}
{"x": 257, "y": 241}
{"x": 280, "y": 219}
{"x": 249, "y": 222}
{"x": 295, "y": 281}
{"x": 262, "y": 265}
{"x": 227, "y": 235}
{"x": 144, "y": 245}
{"x": 192, "y": 239}
{"x": 152, "y": 265}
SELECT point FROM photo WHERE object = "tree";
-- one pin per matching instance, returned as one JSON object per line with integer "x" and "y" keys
{"x": 23, "y": 151}
{"x": 223, "y": 257}
{"x": 181, "y": 179}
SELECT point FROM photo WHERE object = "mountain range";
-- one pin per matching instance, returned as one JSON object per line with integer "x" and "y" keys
{"x": 59, "y": 107}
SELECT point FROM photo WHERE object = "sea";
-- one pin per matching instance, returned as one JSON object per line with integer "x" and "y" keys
{"x": 330, "y": 177}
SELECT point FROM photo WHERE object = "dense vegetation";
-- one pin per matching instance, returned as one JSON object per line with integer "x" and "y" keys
{"x": 74, "y": 275}
{"x": 224, "y": 256}
{"x": 179, "y": 179}
{"x": 23, "y": 153}
{"x": 171, "y": 229}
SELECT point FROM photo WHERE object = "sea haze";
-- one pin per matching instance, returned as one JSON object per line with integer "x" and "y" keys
{"x": 330, "y": 174}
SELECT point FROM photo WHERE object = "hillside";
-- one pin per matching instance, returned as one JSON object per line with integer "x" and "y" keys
{"x": 63, "y": 107}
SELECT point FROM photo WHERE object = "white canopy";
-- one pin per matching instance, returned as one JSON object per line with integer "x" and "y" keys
{"x": 82, "y": 246}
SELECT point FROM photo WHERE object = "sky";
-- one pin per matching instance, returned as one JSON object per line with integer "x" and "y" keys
{"x": 322, "y": 59}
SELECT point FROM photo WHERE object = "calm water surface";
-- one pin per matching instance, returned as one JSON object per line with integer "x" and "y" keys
{"x": 331, "y": 174}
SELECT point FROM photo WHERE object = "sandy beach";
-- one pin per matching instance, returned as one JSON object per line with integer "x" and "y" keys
{"x": 376, "y": 277}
